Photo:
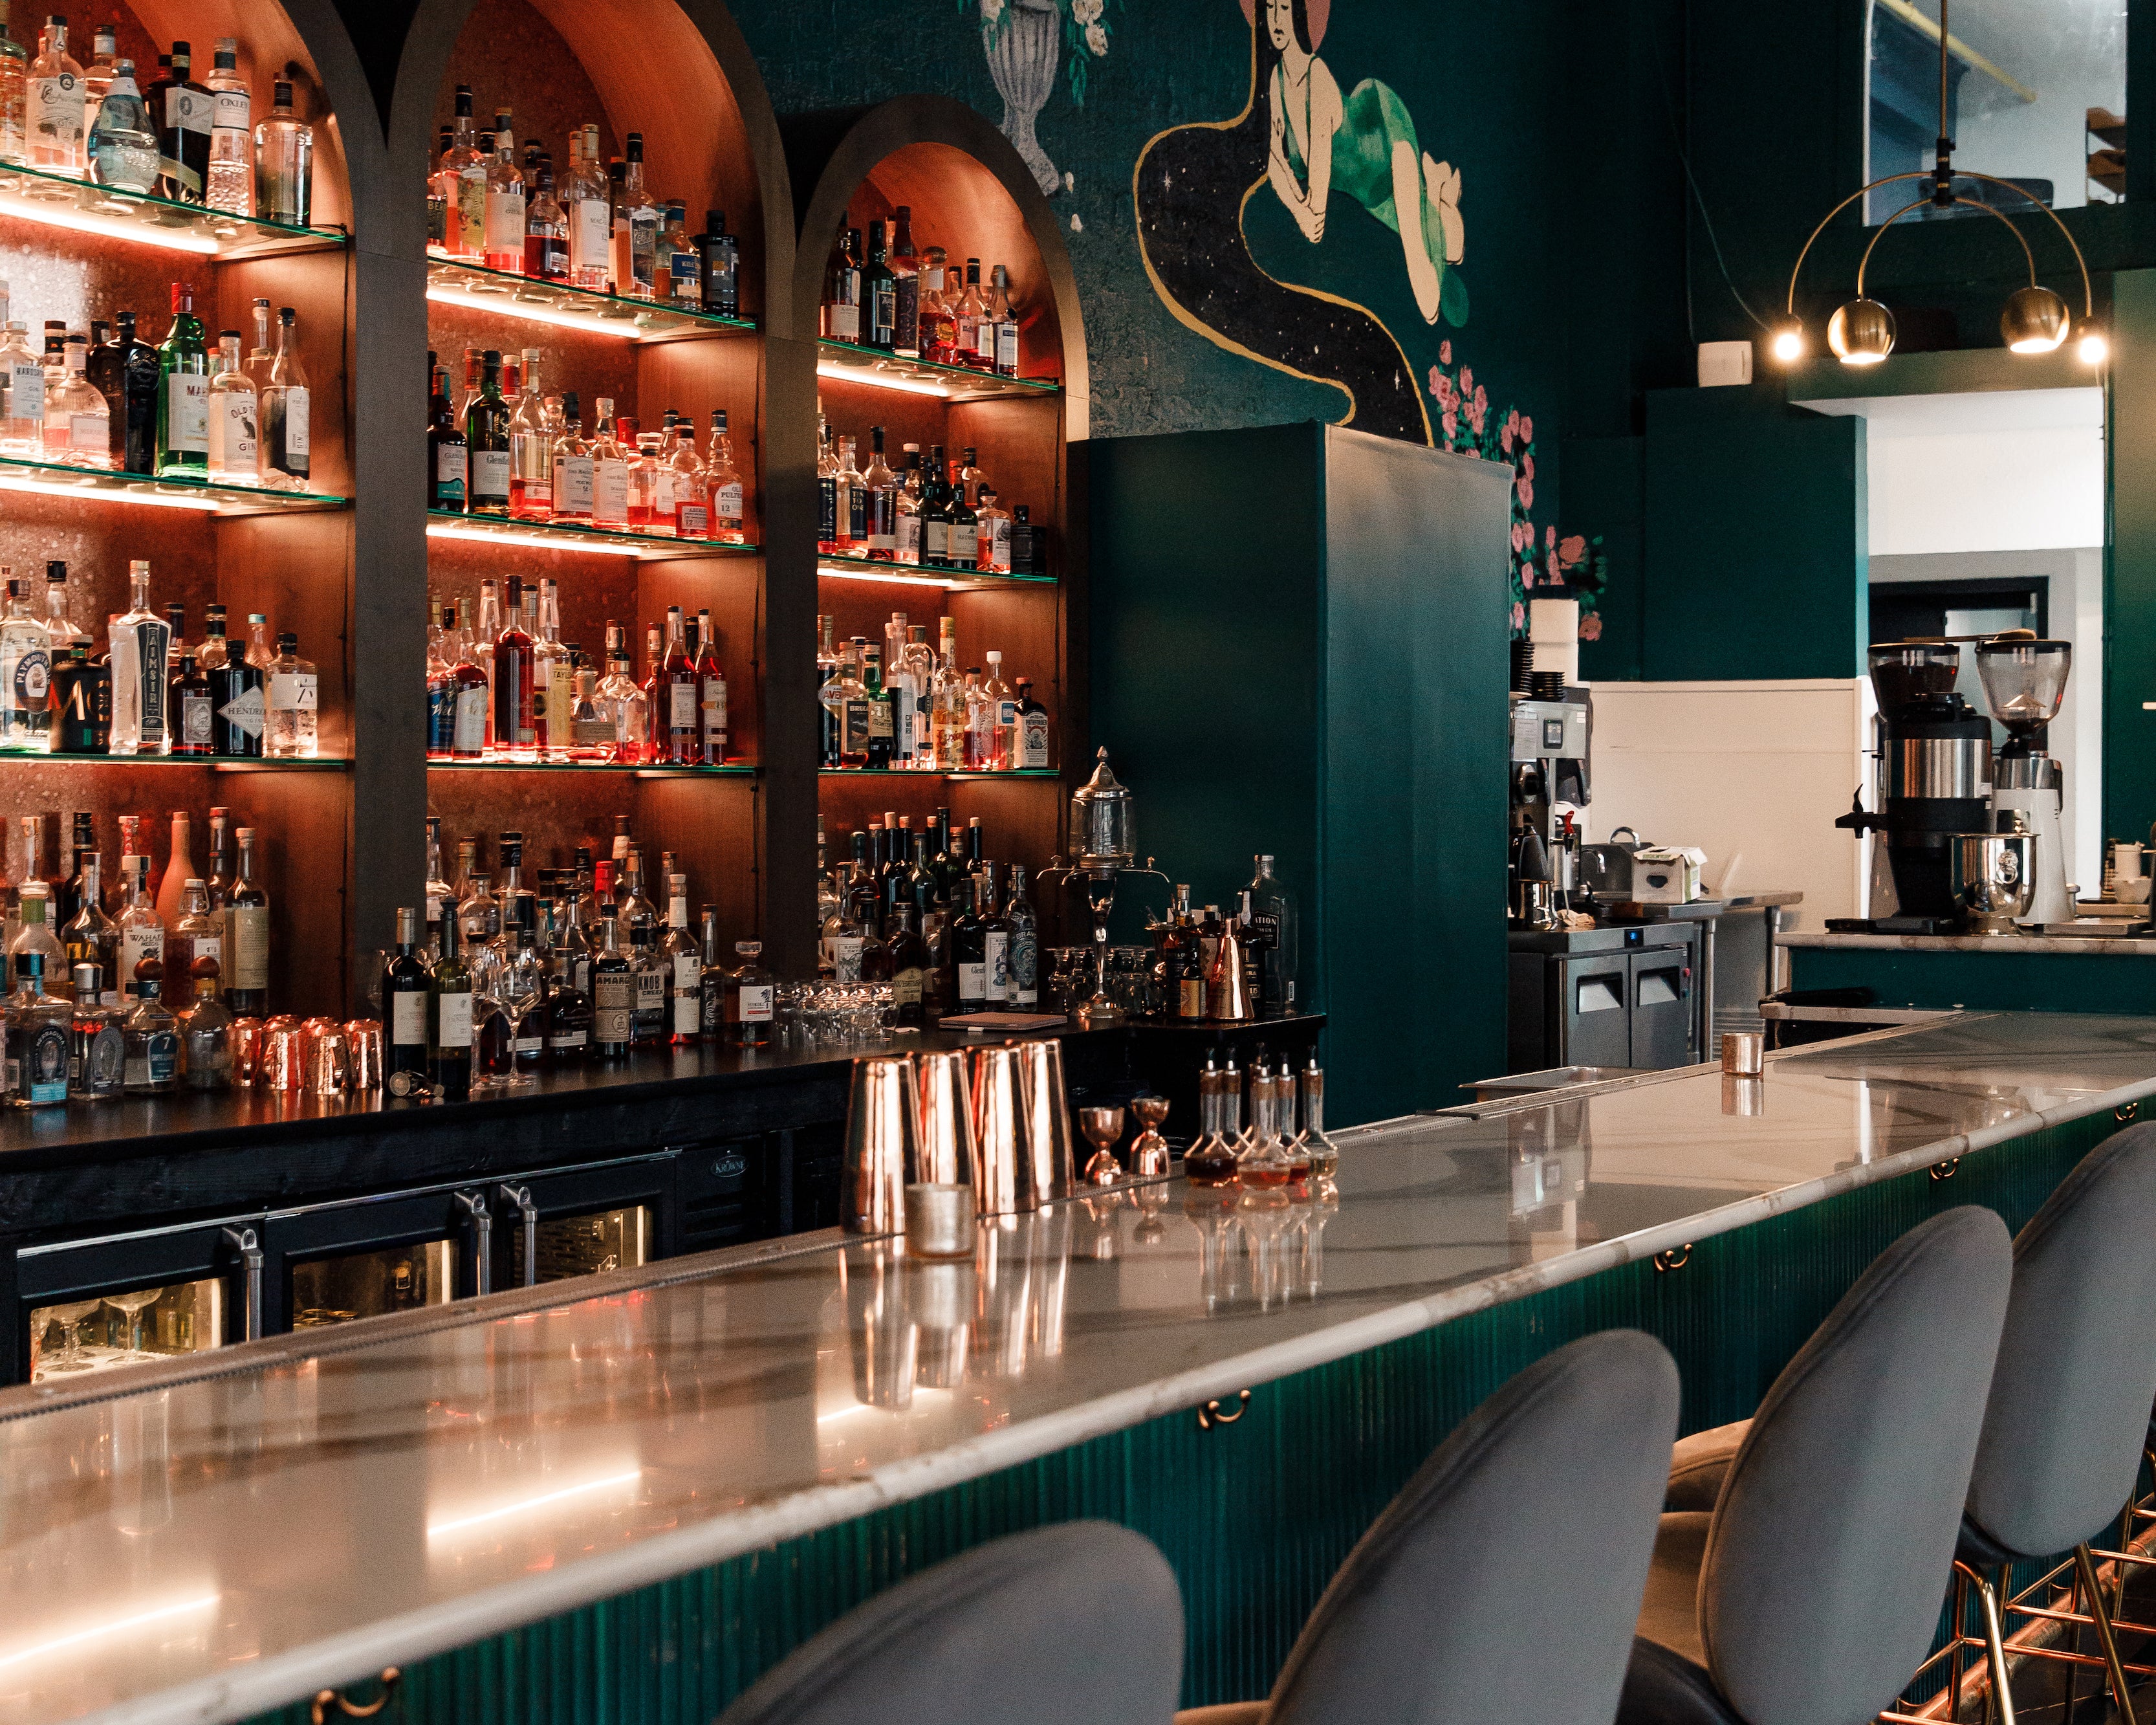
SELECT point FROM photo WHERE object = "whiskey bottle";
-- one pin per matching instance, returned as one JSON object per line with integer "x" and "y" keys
{"x": 194, "y": 933}
{"x": 246, "y": 936}
{"x": 609, "y": 471}
{"x": 879, "y": 293}
{"x": 569, "y": 999}
{"x": 692, "y": 486}
{"x": 487, "y": 441}
{"x": 450, "y": 1014}
{"x": 447, "y": 473}
{"x": 968, "y": 319}
{"x": 293, "y": 728}
{"x": 961, "y": 534}
{"x": 677, "y": 721}
{"x": 286, "y": 408}
{"x": 907, "y": 507}
{"x": 842, "y": 288}
{"x": 183, "y": 388}
{"x": 683, "y": 956}
{"x": 939, "y": 329}
{"x": 1032, "y": 729}
{"x": 879, "y": 711}
{"x": 996, "y": 931}
{"x": 681, "y": 264}
{"x": 853, "y": 501}
{"x": 515, "y": 722}
{"x": 721, "y": 261}
{"x": 283, "y": 163}
{"x": 905, "y": 270}
{"x": 1001, "y": 354}
{"x": 574, "y": 478}
{"x": 140, "y": 642}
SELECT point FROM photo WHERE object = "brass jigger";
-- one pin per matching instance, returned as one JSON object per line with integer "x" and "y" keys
{"x": 1149, "y": 1150}
{"x": 1102, "y": 1127}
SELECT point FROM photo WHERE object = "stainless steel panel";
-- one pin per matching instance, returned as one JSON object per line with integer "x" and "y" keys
{"x": 1939, "y": 766}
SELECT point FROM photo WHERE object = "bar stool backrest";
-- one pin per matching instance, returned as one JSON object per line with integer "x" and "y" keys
{"x": 1504, "y": 1580}
{"x": 2068, "y": 1412}
{"x": 1826, "y": 1559}
{"x": 1075, "y": 1624}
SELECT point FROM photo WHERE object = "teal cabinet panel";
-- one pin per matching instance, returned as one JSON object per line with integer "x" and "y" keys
{"x": 1298, "y": 646}
{"x": 1605, "y": 498}
{"x": 1254, "y": 1516}
{"x": 2129, "y": 669}
{"x": 2007, "y": 982}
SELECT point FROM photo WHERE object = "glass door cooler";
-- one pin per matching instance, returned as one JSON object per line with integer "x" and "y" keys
{"x": 86, "y": 1305}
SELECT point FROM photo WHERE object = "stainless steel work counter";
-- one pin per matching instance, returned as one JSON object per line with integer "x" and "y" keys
{"x": 219, "y": 1539}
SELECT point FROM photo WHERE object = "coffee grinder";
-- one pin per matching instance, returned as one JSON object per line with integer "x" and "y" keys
{"x": 1549, "y": 766}
{"x": 2025, "y": 679}
{"x": 1934, "y": 779}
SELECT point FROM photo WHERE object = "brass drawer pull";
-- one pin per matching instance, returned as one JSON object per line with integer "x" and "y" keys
{"x": 1211, "y": 1415}
{"x": 1676, "y": 1257}
{"x": 2126, "y": 1112}
{"x": 330, "y": 1699}
{"x": 1946, "y": 1169}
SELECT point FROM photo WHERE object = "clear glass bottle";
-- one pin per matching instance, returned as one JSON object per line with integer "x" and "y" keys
{"x": 247, "y": 935}
{"x": 92, "y": 937}
{"x": 14, "y": 96}
{"x": 26, "y": 715}
{"x": 141, "y": 931}
{"x": 195, "y": 932}
{"x": 60, "y": 629}
{"x": 140, "y": 642}
{"x": 644, "y": 224}
{"x": 293, "y": 708}
{"x": 235, "y": 450}
{"x": 505, "y": 201}
{"x": 97, "y": 1053}
{"x": 722, "y": 486}
{"x": 650, "y": 487}
{"x": 545, "y": 228}
{"x": 530, "y": 448}
{"x": 123, "y": 139}
{"x": 231, "y": 133}
{"x": 285, "y": 411}
{"x": 680, "y": 267}
{"x": 683, "y": 955}
{"x": 97, "y": 75}
{"x": 827, "y": 488}
{"x": 692, "y": 500}
{"x": 585, "y": 195}
{"x": 22, "y": 422}
{"x": 553, "y": 678}
{"x": 206, "y": 1031}
{"x": 998, "y": 717}
{"x": 853, "y": 500}
{"x": 283, "y": 163}
{"x": 56, "y": 95}
{"x": 609, "y": 470}
{"x": 621, "y": 704}
{"x": 572, "y": 466}
{"x": 262, "y": 357}
{"x": 39, "y": 1025}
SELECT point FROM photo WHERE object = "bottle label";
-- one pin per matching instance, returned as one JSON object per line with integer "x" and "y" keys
{"x": 663, "y": 492}
{"x": 472, "y": 213}
{"x": 909, "y": 536}
{"x": 228, "y": 111}
{"x": 293, "y": 692}
{"x": 610, "y": 495}
{"x": 644, "y": 249}
{"x": 998, "y": 965}
{"x": 905, "y": 317}
{"x": 881, "y": 721}
{"x": 30, "y": 688}
{"x": 139, "y": 941}
{"x": 972, "y": 983}
{"x": 1007, "y": 348}
{"x": 827, "y": 502}
{"x": 651, "y": 991}
{"x": 248, "y": 926}
{"x": 45, "y": 1065}
{"x": 408, "y": 1020}
{"x": 996, "y": 546}
{"x": 26, "y": 391}
{"x": 590, "y": 235}
{"x": 883, "y": 520}
{"x": 1024, "y": 967}
{"x": 756, "y": 1002}
{"x": 846, "y": 958}
{"x": 188, "y": 110}
{"x": 449, "y": 474}
{"x": 490, "y": 476}
{"x": 564, "y": 1041}
{"x": 232, "y": 444}
{"x": 714, "y": 718}
{"x": 1191, "y": 999}
{"x": 297, "y": 402}
{"x": 684, "y": 273}
{"x": 56, "y": 111}
{"x": 453, "y": 1019}
{"x": 855, "y": 740}
{"x": 572, "y": 486}
{"x": 196, "y": 719}
{"x": 727, "y": 501}
{"x": 1033, "y": 748}
{"x": 243, "y": 712}
{"x": 157, "y": 1063}
{"x": 856, "y": 524}
{"x": 845, "y": 321}
{"x": 90, "y": 431}
{"x": 505, "y": 220}
{"x": 681, "y": 707}
{"x": 688, "y": 1009}
{"x": 187, "y": 412}
{"x": 905, "y": 986}
{"x": 936, "y": 542}
{"x": 560, "y": 698}
{"x": 692, "y": 521}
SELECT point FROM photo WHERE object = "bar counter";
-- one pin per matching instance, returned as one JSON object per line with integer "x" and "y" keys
{"x": 677, "y": 1473}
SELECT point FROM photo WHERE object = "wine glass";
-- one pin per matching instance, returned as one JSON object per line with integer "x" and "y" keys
{"x": 131, "y": 1307}
{"x": 1102, "y": 1127}
{"x": 520, "y": 987}
{"x": 68, "y": 1316}
{"x": 1149, "y": 1150}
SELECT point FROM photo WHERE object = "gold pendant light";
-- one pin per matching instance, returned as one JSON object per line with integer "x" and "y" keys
{"x": 2034, "y": 319}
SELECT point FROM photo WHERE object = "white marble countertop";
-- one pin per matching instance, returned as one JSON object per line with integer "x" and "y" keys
{"x": 2101, "y": 945}
{"x": 213, "y": 1539}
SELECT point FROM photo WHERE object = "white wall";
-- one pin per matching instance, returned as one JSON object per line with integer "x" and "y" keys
{"x": 1754, "y": 774}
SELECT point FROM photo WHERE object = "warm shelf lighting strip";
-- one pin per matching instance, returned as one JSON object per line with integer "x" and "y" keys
{"x": 60, "y": 488}
{"x": 509, "y": 305}
{"x": 881, "y": 379}
{"x": 66, "y": 214}
{"x": 539, "y": 541}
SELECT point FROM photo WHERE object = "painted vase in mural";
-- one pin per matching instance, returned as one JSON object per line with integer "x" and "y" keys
{"x": 1024, "y": 46}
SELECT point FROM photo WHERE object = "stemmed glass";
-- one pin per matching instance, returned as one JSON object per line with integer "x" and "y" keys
{"x": 70, "y": 1358}
{"x": 519, "y": 987}
{"x": 1102, "y": 1127}
{"x": 131, "y": 1306}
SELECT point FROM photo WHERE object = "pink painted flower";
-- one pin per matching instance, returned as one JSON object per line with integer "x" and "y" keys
{"x": 1519, "y": 614}
{"x": 1437, "y": 383}
{"x": 1527, "y": 467}
{"x": 1445, "y": 353}
{"x": 1549, "y": 537}
{"x": 1556, "y": 574}
{"x": 1505, "y": 438}
{"x": 1525, "y": 487}
{"x": 1477, "y": 412}
{"x": 1512, "y": 421}
{"x": 1527, "y": 574}
{"x": 1571, "y": 549}
{"x": 1526, "y": 429}
{"x": 1590, "y": 627}
{"x": 1519, "y": 537}
{"x": 1466, "y": 379}
{"x": 1451, "y": 423}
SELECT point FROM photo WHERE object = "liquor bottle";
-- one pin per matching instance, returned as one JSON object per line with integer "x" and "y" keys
{"x": 934, "y": 512}
{"x": 591, "y": 216}
{"x": 719, "y": 253}
{"x": 293, "y": 727}
{"x": 545, "y": 228}
{"x": 906, "y": 272}
{"x": 183, "y": 397}
{"x": 642, "y": 215}
{"x": 907, "y": 507}
{"x": 26, "y": 718}
{"x": 141, "y": 640}
{"x": 710, "y": 694}
{"x": 56, "y": 95}
{"x": 949, "y": 715}
{"x": 235, "y": 456}
{"x": 183, "y": 115}
{"x": 469, "y": 217}
{"x": 283, "y": 163}
{"x": 961, "y": 534}
{"x": 247, "y": 935}
{"x": 681, "y": 264}
{"x": 205, "y": 1032}
{"x": 98, "y": 73}
{"x": 614, "y": 994}
{"x": 194, "y": 934}
{"x": 966, "y": 317}
{"x": 262, "y": 357}
{"x": 969, "y": 947}
{"x": 568, "y": 996}
{"x": 553, "y": 679}
{"x": 450, "y": 1016}
{"x": 1032, "y": 729}
{"x": 39, "y": 1025}
{"x": 121, "y": 140}
{"x": 447, "y": 470}
{"x": 992, "y": 535}
{"x": 1024, "y": 991}
{"x": 23, "y": 416}
{"x": 880, "y": 514}
{"x": 141, "y": 931}
{"x": 515, "y": 664}
{"x": 995, "y": 933}
{"x": 879, "y": 293}
{"x": 651, "y": 490}
{"x": 170, "y": 899}
{"x": 722, "y": 485}
{"x": 842, "y": 287}
{"x": 531, "y": 447}
{"x": 1274, "y": 931}
{"x": 446, "y": 186}
{"x": 90, "y": 936}
{"x": 231, "y": 135}
{"x": 570, "y": 493}
{"x": 504, "y": 210}
{"x": 939, "y": 329}
{"x": 748, "y": 992}
{"x": 851, "y": 493}
{"x": 82, "y": 704}
{"x": 998, "y": 718}
{"x": 847, "y": 697}
{"x": 194, "y": 713}
{"x": 238, "y": 711}
{"x": 1002, "y": 352}
{"x": 622, "y": 702}
{"x": 684, "y": 957}
{"x": 14, "y": 78}
{"x": 487, "y": 441}
{"x": 97, "y": 1047}
{"x": 609, "y": 470}
{"x": 67, "y": 891}
{"x": 132, "y": 396}
{"x": 878, "y": 712}
{"x": 285, "y": 411}
{"x": 678, "y": 722}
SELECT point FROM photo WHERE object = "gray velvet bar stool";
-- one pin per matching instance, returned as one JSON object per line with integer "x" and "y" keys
{"x": 2067, "y": 1412}
{"x": 1079, "y": 1624}
{"x": 1810, "y": 1593}
{"x": 1502, "y": 1582}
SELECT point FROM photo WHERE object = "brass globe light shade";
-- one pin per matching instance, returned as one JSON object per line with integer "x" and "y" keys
{"x": 2034, "y": 321}
{"x": 1860, "y": 332}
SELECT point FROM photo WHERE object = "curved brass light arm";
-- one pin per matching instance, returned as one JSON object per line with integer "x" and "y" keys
{"x": 1970, "y": 202}
{"x": 2088, "y": 297}
{"x": 1791, "y": 308}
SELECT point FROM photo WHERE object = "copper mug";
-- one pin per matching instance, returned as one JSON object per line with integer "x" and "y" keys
{"x": 246, "y": 1051}
{"x": 883, "y": 1144}
{"x": 363, "y": 1036}
{"x": 325, "y": 1057}
{"x": 283, "y": 1064}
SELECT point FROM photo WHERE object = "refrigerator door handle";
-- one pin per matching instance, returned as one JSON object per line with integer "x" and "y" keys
{"x": 521, "y": 1197}
{"x": 247, "y": 1245}
{"x": 482, "y": 1226}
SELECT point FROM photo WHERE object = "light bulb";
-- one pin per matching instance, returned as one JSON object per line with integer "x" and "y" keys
{"x": 2093, "y": 347}
{"x": 1788, "y": 345}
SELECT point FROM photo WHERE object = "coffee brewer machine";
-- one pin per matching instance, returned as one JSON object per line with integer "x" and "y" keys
{"x": 1934, "y": 774}
{"x": 2025, "y": 679}
{"x": 1549, "y": 766}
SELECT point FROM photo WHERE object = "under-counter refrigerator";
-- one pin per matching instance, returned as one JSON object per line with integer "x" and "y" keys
{"x": 1297, "y": 645}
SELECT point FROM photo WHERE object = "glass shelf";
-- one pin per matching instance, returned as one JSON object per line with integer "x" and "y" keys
{"x": 849, "y": 363}
{"x": 454, "y": 282}
{"x": 860, "y": 568}
{"x": 53, "y": 480}
{"x": 561, "y": 536}
{"x": 62, "y": 201}
{"x": 213, "y": 762}
{"x": 642, "y": 770}
{"x": 916, "y": 773}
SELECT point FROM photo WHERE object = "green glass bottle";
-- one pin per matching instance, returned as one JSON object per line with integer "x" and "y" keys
{"x": 183, "y": 391}
{"x": 487, "y": 441}
{"x": 449, "y": 989}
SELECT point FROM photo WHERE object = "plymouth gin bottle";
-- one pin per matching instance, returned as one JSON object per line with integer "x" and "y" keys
{"x": 142, "y": 644}
{"x": 183, "y": 391}
{"x": 26, "y": 716}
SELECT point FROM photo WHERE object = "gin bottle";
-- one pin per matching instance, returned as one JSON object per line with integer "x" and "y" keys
{"x": 183, "y": 393}
{"x": 294, "y": 703}
{"x": 234, "y": 451}
{"x": 56, "y": 96}
{"x": 141, "y": 931}
{"x": 142, "y": 645}
{"x": 26, "y": 717}
{"x": 123, "y": 140}
{"x": 23, "y": 421}
{"x": 285, "y": 411}
{"x": 231, "y": 145}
